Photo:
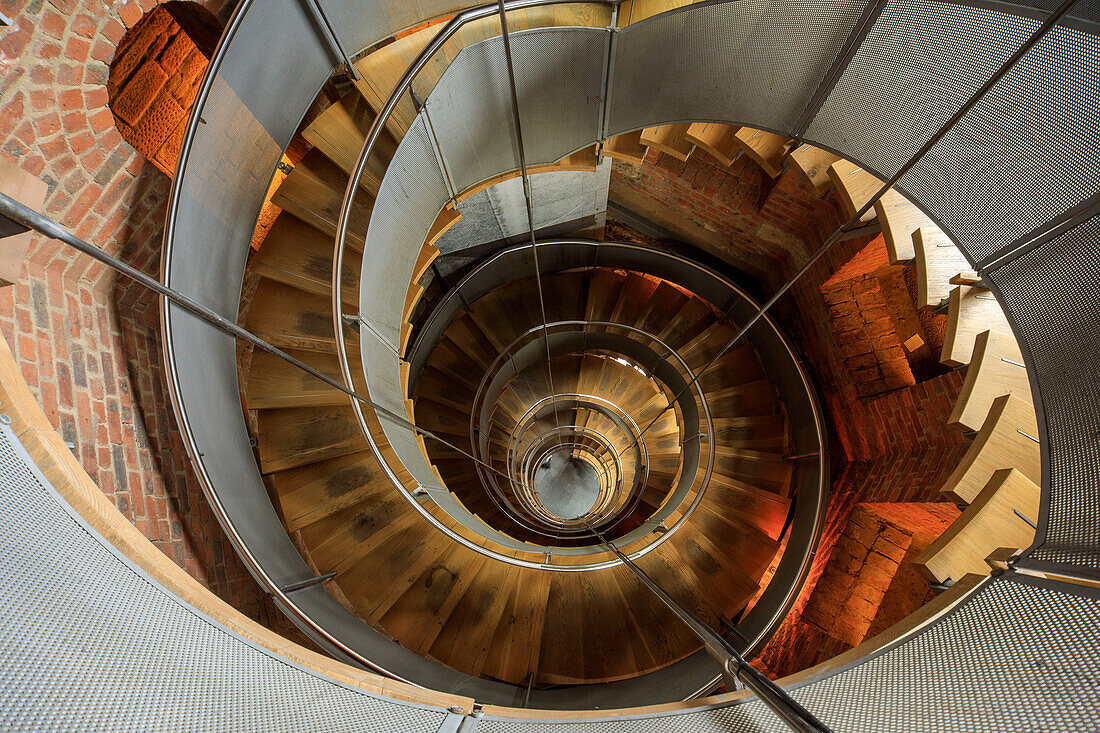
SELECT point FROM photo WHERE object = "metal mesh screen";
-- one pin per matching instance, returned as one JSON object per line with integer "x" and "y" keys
{"x": 1025, "y": 154}
{"x": 1053, "y": 296}
{"x": 559, "y": 84}
{"x": 90, "y": 643}
{"x": 753, "y": 61}
{"x": 1015, "y": 656}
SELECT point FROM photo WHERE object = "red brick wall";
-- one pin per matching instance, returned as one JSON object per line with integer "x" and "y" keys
{"x": 155, "y": 76}
{"x": 892, "y": 443}
{"x": 87, "y": 344}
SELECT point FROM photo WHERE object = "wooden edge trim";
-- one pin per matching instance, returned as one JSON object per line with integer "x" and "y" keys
{"x": 56, "y": 462}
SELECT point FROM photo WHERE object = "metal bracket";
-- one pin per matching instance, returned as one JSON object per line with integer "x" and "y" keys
{"x": 307, "y": 583}
{"x": 284, "y": 167}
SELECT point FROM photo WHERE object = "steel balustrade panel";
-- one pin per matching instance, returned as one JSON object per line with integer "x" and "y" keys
{"x": 559, "y": 86}
{"x": 1052, "y": 296}
{"x": 1014, "y": 656}
{"x": 89, "y": 642}
{"x": 1026, "y": 153}
{"x": 753, "y": 62}
{"x": 249, "y": 116}
{"x": 409, "y": 199}
{"x": 360, "y": 24}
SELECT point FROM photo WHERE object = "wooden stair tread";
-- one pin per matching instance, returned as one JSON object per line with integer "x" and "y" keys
{"x": 996, "y": 369}
{"x": 291, "y": 318}
{"x": 971, "y": 310}
{"x": 297, "y": 254}
{"x": 900, "y": 219}
{"x": 767, "y": 149}
{"x": 938, "y": 260}
{"x": 813, "y": 165}
{"x": 307, "y": 494}
{"x": 274, "y": 383}
{"x": 757, "y": 507}
{"x": 671, "y": 139}
{"x": 1008, "y": 439}
{"x": 990, "y": 522}
{"x": 720, "y": 141}
{"x": 338, "y": 541}
{"x": 314, "y": 192}
{"x": 295, "y": 436}
{"x": 627, "y": 147}
{"x": 340, "y": 131}
{"x": 855, "y": 186}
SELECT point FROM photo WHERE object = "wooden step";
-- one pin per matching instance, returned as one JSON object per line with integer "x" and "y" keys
{"x": 340, "y": 540}
{"x": 813, "y": 166}
{"x": 467, "y": 635}
{"x": 751, "y": 550}
{"x": 274, "y": 383}
{"x": 420, "y": 614}
{"x": 291, "y": 318}
{"x": 691, "y": 320}
{"x": 855, "y": 186}
{"x": 900, "y": 219}
{"x": 340, "y": 131}
{"x": 754, "y": 506}
{"x": 297, "y": 436}
{"x": 720, "y": 141}
{"x": 627, "y": 147}
{"x": 996, "y": 369}
{"x": 314, "y": 192}
{"x": 971, "y": 310}
{"x": 671, "y": 139}
{"x": 938, "y": 261}
{"x": 297, "y": 254}
{"x": 766, "y": 148}
{"x": 763, "y": 469}
{"x": 1001, "y": 515}
{"x": 633, "y": 11}
{"x": 310, "y": 493}
{"x": 1008, "y": 439}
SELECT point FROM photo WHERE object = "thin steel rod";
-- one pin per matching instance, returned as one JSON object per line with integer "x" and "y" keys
{"x": 1048, "y": 25}
{"x": 527, "y": 196}
{"x": 318, "y": 14}
{"x": 19, "y": 212}
{"x": 729, "y": 659}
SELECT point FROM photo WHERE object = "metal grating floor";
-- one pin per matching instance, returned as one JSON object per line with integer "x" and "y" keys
{"x": 88, "y": 642}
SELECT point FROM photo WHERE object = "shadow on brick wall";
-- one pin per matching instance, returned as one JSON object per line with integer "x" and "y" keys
{"x": 173, "y": 511}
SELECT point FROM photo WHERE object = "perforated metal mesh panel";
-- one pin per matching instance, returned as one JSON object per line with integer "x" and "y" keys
{"x": 1053, "y": 295}
{"x": 1014, "y": 657}
{"x": 757, "y": 61}
{"x": 1025, "y": 154}
{"x": 88, "y": 642}
{"x": 559, "y": 84}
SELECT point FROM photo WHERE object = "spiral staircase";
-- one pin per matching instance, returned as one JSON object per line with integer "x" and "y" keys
{"x": 568, "y": 416}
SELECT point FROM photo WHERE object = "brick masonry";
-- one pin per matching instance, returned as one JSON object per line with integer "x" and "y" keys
{"x": 155, "y": 76}
{"x": 88, "y": 344}
{"x": 870, "y": 582}
{"x": 890, "y": 439}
